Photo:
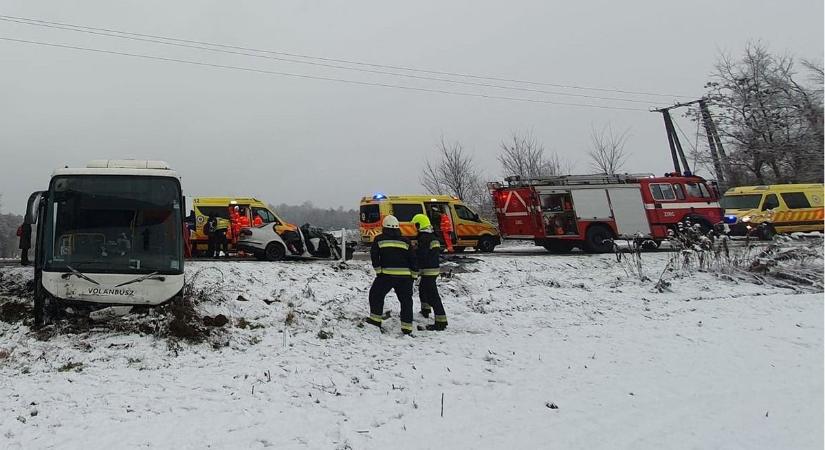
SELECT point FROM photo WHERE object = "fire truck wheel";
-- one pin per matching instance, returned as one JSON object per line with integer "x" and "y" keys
{"x": 598, "y": 239}
{"x": 651, "y": 244}
{"x": 704, "y": 225}
{"x": 274, "y": 251}
{"x": 486, "y": 244}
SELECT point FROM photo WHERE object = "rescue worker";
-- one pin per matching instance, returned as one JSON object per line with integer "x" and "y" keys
{"x": 447, "y": 230}
{"x": 234, "y": 226}
{"x": 428, "y": 256}
{"x": 221, "y": 242}
{"x": 258, "y": 221}
{"x": 394, "y": 263}
{"x": 210, "y": 228}
{"x": 243, "y": 220}
{"x": 24, "y": 232}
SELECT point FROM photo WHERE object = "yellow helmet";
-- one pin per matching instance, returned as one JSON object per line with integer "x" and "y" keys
{"x": 421, "y": 221}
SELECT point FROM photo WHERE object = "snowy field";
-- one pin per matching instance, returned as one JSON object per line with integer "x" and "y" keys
{"x": 542, "y": 351}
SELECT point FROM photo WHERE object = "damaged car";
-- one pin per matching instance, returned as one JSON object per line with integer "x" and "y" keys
{"x": 266, "y": 243}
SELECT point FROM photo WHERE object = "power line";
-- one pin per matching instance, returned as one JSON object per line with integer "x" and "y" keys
{"x": 78, "y": 28}
{"x": 315, "y": 77}
{"x": 357, "y": 63}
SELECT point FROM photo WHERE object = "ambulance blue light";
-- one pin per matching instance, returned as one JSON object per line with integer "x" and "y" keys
{"x": 730, "y": 219}
{"x": 379, "y": 196}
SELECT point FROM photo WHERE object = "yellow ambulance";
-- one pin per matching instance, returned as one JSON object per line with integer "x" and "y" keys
{"x": 469, "y": 229}
{"x": 776, "y": 208}
{"x": 219, "y": 207}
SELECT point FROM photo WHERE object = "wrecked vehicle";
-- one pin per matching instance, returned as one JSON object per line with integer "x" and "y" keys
{"x": 109, "y": 236}
{"x": 266, "y": 243}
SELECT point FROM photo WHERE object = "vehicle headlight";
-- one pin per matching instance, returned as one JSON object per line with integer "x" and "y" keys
{"x": 746, "y": 218}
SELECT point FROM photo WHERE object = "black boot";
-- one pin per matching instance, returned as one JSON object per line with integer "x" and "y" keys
{"x": 438, "y": 326}
{"x": 425, "y": 312}
{"x": 373, "y": 321}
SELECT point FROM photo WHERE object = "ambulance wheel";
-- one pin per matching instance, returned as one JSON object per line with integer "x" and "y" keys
{"x": 598, "y": 239}
{"x": 486, "y": 244}
{"x": 767, "y": 232}
{"x": 274, "y": 251}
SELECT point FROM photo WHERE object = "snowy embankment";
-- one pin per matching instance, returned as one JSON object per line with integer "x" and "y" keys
{"x": 542, "y": 351}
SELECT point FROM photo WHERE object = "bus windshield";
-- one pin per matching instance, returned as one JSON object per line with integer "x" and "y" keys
{"x": 747, "y": 201}
{"x": 114, "y": 224}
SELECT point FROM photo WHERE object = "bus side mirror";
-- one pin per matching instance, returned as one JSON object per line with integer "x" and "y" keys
{"x": 33, "y": 207}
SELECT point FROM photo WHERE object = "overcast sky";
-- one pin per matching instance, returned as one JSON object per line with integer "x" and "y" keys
{"x": 283, "y": 139}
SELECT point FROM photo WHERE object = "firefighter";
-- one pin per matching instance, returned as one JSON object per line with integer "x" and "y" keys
{"x": 24, "y": 232}
{"x": 447, "y": 230}
{"x": 428, "y": 255}
{"x": 394, "y": 263}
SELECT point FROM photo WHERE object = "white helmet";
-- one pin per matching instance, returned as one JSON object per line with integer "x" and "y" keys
{"x": 390, "y": 222}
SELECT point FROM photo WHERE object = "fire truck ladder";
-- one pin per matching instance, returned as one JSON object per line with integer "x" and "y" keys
{"x": 573, "y": 180}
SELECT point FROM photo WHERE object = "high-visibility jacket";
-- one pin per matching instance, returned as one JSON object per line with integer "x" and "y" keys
{"x": 446, "y": 224}
{"x": 243, "y": 221}
{"x": 392, "y": 254}
{"x": 429, "y": 249}
{"x": 257, "y": 221}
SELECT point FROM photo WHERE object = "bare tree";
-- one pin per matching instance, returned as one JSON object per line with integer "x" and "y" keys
{"x": 524, "y": 156}
{"x": 607, "y": 154}
{"x": 772, "y": 122}
{"x": 454, "y": 173}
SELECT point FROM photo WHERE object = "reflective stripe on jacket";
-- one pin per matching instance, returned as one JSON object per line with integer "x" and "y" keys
{"x": 429, "y": 249}
{"x": 391, "y": 254}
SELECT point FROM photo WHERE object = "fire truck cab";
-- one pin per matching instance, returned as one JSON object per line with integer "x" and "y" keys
{"x": 589, "y": 211}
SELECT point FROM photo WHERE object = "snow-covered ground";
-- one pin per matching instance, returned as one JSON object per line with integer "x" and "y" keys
{"x": 542, "y": 351}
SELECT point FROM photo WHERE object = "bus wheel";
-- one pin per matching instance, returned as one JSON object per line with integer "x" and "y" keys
{"x": 598, "y": 239}
{"x": 486, "y": 244}
{"x": 274, "y": 251}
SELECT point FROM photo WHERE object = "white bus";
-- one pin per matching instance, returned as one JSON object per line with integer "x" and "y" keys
{"x": 109, "y": 234}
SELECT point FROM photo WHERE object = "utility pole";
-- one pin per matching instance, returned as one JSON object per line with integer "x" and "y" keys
{"x": 717, "y": 152}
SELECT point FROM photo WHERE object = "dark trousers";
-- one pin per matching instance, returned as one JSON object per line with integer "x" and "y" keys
{"x": 24, "y": 256}
{"x": 428, "y": 293}
{"x": 403, "y": 286}
{"x": 217, "y": 243}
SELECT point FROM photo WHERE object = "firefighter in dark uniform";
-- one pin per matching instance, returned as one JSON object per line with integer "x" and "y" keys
{"x": 428, "y": 255}
{"x": 394, "y": 263}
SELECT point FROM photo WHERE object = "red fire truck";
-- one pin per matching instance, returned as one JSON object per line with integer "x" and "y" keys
{"x": 588, "y": 211}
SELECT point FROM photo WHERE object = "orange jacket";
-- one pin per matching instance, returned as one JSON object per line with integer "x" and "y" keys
{"x": 446, "y": 223}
